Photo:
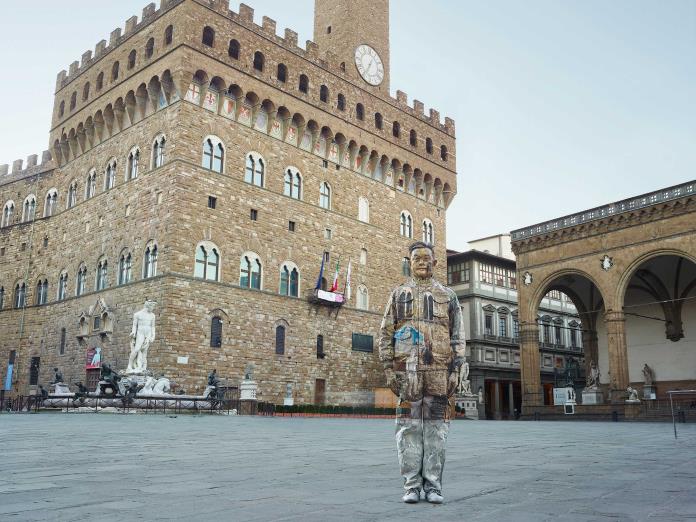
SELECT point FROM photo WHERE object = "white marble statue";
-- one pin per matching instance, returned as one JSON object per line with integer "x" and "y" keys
{"x": 142, "y": 334}
{"x": 480, "y": 395}
{"x": 593, "y": 377}
{"x": 632, "y": 394}
{"x": 648, "y": 375}
{"x": 464, "y": 387}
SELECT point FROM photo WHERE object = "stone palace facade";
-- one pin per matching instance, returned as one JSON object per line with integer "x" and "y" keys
{"x": 202, "y": 161}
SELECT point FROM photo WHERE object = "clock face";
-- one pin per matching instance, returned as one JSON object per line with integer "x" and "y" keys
{"x": 369, "y": 64}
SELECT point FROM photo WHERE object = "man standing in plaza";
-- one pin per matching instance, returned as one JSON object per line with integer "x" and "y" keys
{"x": 422, "y": 348}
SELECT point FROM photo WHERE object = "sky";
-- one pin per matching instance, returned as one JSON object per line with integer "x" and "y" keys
{"x": 560, "y": 105}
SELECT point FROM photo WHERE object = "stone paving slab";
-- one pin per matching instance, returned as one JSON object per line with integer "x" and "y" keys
{"x": 157, "y": 467}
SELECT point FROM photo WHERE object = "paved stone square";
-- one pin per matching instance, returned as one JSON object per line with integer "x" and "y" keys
{"x": 150, "y": 467}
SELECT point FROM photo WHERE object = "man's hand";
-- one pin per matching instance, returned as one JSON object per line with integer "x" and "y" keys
{"x": 392, "y": 381}
{"x": 453, "y": 383}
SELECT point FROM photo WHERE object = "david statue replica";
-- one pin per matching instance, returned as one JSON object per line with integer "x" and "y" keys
{"x": 422, "y": 348}
{"x": 142, "y": 334}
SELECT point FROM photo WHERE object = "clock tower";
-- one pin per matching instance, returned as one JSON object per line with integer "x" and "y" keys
{"x": 357, "y": 32}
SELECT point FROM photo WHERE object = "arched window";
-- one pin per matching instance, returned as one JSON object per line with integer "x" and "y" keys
{"x": 20, "y": 295}
{"x": 208, "y": 36}
{"x": 131, "y": 59}
{"x": 42, "y": 292}
{"x": 110, "y": 175}
{"x": 8, "y": 213}
{"x": 73, "y": 100}
{"x": 324, "y": 93}
{"x": 429, "y": 145}
{"x": 213, "y": 154}
{"x": 289, "y": 280}
{"x": 125, "y": 268}
{"x": 363, "y": 209}
{"x": 443, "y": 153}
{"x": 341, "y": 104}
{"x": 150, "y": 261}
{"x": 133, "y": 161}
{"x": 325, "y": 195}
{"x": 150, "y": 48}
{"x": 61, "y": 109}
{"x": 363, "y": 298}
{"x": 406, "y": 225}
{"x": 85, "y": 91}
{"x": 168, "y": 35}
{"x": 100, "y": 81}
{"x": 428, "y": 232}
{"x": 259, "y": 61}
{"x": 91, "y": 186}
{"x": 396, "y": 129}
{"x": 282, "y": 74}
{"x": 51, "y": 202}
{"x": 360, "y": 111}
{"x": 379, "y": 123}
{"x": 29, "y": 208}
{"x": 413, "y": 138}
{"x": 216, "y": 332}
{"x": 250, "y": 271}
{"x": 72, "y": 194}
{"x": 158, "y": 154}
{"x": 114, "y": 71}
{"x": 293, "y": 183}
{"x": 102, "y": 272}
{"x": 280, "y": 340}
{"x": 81, "y": 281}
{"x": 255, "y": 169}
{"x": 406, "y": 266}
{"x": 304, "y": 83}
{"x": 207, "y": 262}
{"x": 363, "y": 256}
{"x": 233, "y": 49}
{"x": 63, "y": 286}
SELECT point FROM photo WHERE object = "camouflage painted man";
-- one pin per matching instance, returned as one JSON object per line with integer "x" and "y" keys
{"x": 422, "y": 348}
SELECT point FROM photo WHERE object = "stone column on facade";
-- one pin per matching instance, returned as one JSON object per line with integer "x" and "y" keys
{"x": 496, "y": 400}
{"x": 529, "y": 365}
{"x": 511, "y": 399}
{"x": 618, "y": 355}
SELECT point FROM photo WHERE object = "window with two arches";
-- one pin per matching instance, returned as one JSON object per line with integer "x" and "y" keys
{"x": 72, "y": 194}
{"x": 63, "y": 286}
{"x": 255, "y": 169}
{"x": 133, "y": 163}
{"x": 406, "y": 225}
{"x": 125, "y": 268}
{"x": 428, "y": 236}
{"x": 207, "y": 263}
{"x": 91, "y": 186}
{"x": 51, "y": 202}
{"x": 213, "y": 154}
{"x": 250, "y": 271}
{"x": 363, "y": 298}
{"x": 8, "y": 213}
{"x": 150, "y": 261}
{"x": 42, "y": 292}
{"x": 29, "y": 209}
{"x": 81, "y": 285}
{"x": 110, "y": 175}
{"x": 289, "y": 280}
{"x": 293, "y": 183}
{"x": 158, "y": 155}
{"x": 102, "y": 272}
{"x": 325, "y": 195}
{"x": 20, "y": 295}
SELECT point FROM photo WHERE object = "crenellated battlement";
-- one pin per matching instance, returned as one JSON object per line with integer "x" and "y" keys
{"x": 20, "y": 170}
{"x": 117, "y": 36}
{"x": 267, "y": 29}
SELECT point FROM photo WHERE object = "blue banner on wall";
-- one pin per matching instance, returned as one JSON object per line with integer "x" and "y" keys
{"x": 8, "y": 377}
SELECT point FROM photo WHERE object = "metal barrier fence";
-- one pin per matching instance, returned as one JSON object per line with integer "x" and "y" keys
{"x": 681, "y": 412}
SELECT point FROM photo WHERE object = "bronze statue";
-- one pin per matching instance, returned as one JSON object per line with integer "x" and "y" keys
{"x": 422, "y": 348}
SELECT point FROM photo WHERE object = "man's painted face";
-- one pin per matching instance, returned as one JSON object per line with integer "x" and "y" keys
{"x": 422, "y": 263}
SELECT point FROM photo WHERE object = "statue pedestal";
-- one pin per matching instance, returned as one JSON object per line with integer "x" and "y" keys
{"x": 60, "y": 388}
{"x": 649, "y": 392}
{"x": 288, "y": 401}
{"x": 469, "y": 403}
{"x": 632, "y": 401}
{"x": 247, "y": 397}
{"x": 592, "y": 397}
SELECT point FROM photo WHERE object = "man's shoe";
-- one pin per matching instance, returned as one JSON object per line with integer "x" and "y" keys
{"x": 412, "y": 496}
{"x": 434, "y": 496}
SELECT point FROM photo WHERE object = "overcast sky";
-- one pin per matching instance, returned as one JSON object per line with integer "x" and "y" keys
{"x": 559, "y": 105}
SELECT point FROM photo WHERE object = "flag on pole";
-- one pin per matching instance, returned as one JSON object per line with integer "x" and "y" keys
{"x": 334, "y": 285}
{"x": 347, "y": 290}
{"x": 321, "y": 273}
